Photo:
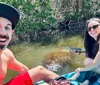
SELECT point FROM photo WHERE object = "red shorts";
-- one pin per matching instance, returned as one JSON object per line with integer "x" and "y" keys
{"x": 22, "y": 79}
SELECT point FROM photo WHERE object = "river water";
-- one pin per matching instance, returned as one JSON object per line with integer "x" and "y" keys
{"x": 33, "y": 55}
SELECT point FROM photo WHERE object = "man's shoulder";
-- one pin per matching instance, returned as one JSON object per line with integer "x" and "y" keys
{"x": 8, "y": 52}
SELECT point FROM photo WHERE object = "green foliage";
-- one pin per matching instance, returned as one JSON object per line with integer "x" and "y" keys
{"x": 72, "y": 16}
{"x": 87, "y": 10}
{"x": 36, "y": 16}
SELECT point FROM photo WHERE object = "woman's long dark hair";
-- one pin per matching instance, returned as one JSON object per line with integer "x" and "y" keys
{"x": 91, "y": 45}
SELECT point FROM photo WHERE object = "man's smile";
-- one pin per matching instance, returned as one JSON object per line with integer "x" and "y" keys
{"x": 3, "y": 39}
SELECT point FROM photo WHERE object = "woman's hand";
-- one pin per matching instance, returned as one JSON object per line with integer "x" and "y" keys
{"x": 76, "y": 75}
{"x": 78, "y": 70}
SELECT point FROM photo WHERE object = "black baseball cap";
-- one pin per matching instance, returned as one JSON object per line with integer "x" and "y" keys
{"x": 10, "y": 13}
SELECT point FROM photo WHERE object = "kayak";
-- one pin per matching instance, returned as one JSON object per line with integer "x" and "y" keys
{"x": 94, "y": 79}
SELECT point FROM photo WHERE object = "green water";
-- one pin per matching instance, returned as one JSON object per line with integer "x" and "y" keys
{"x": 29, "y": 54}
{"x": 33, "y": 54}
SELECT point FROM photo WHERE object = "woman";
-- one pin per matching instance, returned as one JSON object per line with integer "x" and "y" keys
{"x": 92, "y": 60}
{"x": 91, "y": 42}
{"x": 92, "y": 46}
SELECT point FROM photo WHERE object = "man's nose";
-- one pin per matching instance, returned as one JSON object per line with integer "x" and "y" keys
{"x": 2, "y": 31}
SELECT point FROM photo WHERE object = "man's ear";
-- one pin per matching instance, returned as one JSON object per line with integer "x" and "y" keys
{"x": 12, "y": 31}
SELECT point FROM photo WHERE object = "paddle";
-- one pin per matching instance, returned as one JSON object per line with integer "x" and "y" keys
{"x": 75, "y": 50}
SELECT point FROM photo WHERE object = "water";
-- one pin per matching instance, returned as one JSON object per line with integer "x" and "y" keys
{"x": 29, "y": 54}
{"x": 33, "y": 54}
{"x": 53, "y": 67}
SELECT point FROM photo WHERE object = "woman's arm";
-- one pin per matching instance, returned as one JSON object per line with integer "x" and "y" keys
{"x": 93, "y": 65}
{"x": 87, "y": 61}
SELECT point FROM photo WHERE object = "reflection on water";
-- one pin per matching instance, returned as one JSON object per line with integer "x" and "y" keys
{"x": 33, "y": 55}
{"x": 59, "y": 69}
{"x": 53, "y": 67}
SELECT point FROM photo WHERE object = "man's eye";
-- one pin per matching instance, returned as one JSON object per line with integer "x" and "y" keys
{"x": 7, "y": 28}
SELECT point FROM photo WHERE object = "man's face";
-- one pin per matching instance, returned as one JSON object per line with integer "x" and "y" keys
{"x": 5, "y": 32}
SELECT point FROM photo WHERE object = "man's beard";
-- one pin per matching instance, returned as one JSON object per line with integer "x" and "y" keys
{"x": 2, "y": 47}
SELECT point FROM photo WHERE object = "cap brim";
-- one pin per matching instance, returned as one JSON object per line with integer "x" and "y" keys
{"x": 9, "y": 13}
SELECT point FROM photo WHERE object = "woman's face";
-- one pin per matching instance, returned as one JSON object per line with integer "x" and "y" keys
{"x": 94, "y": 29}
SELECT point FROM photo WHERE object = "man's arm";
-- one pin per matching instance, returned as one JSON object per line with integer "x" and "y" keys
{"x": 17, "y": 66}
{"x": 14, "y": 64}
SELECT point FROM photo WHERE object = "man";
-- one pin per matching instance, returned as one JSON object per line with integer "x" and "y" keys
{"x": 9, "y": 17}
